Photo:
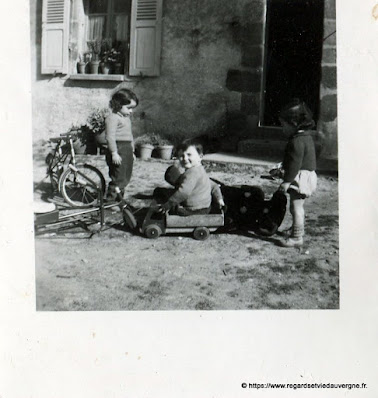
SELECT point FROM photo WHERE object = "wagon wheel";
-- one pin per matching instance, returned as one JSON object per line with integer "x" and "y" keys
{"x": 201, "y": 233}
{"x": 128, "y": 218}
{"x": 266, "y": 225}
{"x": 152, "y": 231}
{"x": 267, "y": 230}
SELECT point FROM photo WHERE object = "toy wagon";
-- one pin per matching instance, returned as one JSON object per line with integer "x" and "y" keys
{"x": 200, "y": 225}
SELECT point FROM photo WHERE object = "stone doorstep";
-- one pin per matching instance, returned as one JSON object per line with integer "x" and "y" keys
{"x": 268, "y": 133}
{"x": 223, "y": 157}
{"x": 273, "y": 151}
{"x": 324, "y": 166}
{"x": 268, "y": 144}
{"x": 262, "y": 147}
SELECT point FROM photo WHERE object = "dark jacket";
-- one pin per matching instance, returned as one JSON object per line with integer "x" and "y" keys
{"x": 299, "y": 155}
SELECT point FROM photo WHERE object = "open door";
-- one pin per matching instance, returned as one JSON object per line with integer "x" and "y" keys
{"x": 293, "y": 53}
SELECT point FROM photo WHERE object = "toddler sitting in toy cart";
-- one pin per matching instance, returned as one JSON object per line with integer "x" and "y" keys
{"x": 245, "y": 206}
{"x": 193, "y": 188}
{"x": 188, "y": 206}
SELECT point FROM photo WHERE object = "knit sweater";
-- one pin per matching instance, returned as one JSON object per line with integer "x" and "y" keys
{"x": 117, "y": 128}
{"x": 299, "y": 155}
{"x": 193, "y": 189}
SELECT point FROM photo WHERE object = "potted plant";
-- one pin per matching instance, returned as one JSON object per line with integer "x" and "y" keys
{"x": 95, "y": 47}
{"x": 96, "y": 125}
{"x": 144, "y": 145}
{"x": 112, "y": 57}
{"x": 164, "y": 147}
{"x": 80, "y": 139}
{"x": 108, "y": 61}
{"x": 119, "y": 59}
{"x": 106, "y": 56}
{"x": 83, "y": 62}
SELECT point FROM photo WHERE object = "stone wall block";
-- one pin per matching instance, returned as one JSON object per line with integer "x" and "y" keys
{"x": 329, "y": 32}
{"x": 330, "y": 144}
{"x": 328, "y": 108}
{"x": 329, "y": 55}
{"x": 252, "y": 33}
{"x": 330, "y": 9}
{"x": 243, "y": 81}
{"x": 329, "y": 77}
{"x": 252, "y": 55}
{"x": 233, "y": 101}
{"x": 254, "y": 11}
{"x": 250, "y": 103}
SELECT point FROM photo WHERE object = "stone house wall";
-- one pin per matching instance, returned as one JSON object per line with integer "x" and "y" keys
{"x": 199, "y": 46}
{"x": 211, "y": 66}
{"x": 328, "y": 89}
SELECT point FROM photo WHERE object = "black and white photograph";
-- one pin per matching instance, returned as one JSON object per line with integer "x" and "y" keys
{"x": 185, "y": 154}
{"x": 188, "y": 198}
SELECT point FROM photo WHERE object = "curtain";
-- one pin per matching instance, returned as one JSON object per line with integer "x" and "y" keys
{"x": 96, "y": 26}
{"x": 121, "y": 27}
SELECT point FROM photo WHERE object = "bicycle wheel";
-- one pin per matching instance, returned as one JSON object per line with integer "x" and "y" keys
{"x": 77, "y": 191}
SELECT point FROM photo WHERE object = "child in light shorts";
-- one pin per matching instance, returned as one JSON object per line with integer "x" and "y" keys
{"x": 299, "y": 164}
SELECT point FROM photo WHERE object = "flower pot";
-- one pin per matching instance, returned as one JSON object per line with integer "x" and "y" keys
{"x": 81, "y": 67}
{"x": 94, "y": 67}
{"x": 100, "y": 139}
{"x": 101, "y": 143}
{"x": 105, "y": 68}
{"x": 164, "y": 151}
{"x": 118, "y": 68}
{"x": 79, "y": 147}
{"x": 145, "y": 151}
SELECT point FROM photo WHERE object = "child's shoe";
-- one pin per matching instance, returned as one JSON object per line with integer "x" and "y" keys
{"x": 286, "y": 233}
{"x": 296, "y": 238}
{"x": 292, "y": 242}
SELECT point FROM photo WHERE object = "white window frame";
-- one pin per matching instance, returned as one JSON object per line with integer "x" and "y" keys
{"x": 58, "y": 49}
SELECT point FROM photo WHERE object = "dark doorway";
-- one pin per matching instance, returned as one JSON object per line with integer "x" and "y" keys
{"x": 293, "y": 54}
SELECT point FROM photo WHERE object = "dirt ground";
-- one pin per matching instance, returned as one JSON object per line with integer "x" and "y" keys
{"x": 79, "y": 270}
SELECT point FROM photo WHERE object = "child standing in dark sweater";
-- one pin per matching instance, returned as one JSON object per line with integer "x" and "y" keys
{"x": 119, "y": 137}
{"x": 299, "y": 164}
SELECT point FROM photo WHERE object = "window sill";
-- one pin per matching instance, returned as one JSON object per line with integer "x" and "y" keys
{"x": 85, "y": 76}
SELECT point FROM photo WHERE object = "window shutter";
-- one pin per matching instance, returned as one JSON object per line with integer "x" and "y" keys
{"x": 55, "y": 31}
{"x": 145, "y": 37}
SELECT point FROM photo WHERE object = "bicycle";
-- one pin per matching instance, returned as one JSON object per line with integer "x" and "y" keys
{"x": 79, "y": 184}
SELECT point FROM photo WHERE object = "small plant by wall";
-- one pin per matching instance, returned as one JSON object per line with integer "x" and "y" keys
{"x": 161, "y": 145}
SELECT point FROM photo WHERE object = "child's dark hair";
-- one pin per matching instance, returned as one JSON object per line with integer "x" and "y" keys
{"x": 187, "y": 143}
{"x": 297, "y": 114}
{"x": 121, "y": 98}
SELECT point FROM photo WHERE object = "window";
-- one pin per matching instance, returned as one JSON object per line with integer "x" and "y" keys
{"x": 108, "y": 19}
{"x": 133, "y": 25}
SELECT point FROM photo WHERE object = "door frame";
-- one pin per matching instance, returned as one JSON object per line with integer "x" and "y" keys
{"x": 266, "y": 25}
{"x": 261, "y": 122}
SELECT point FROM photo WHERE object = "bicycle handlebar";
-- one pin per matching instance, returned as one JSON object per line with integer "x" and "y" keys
{"x": 67, "y": 135}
